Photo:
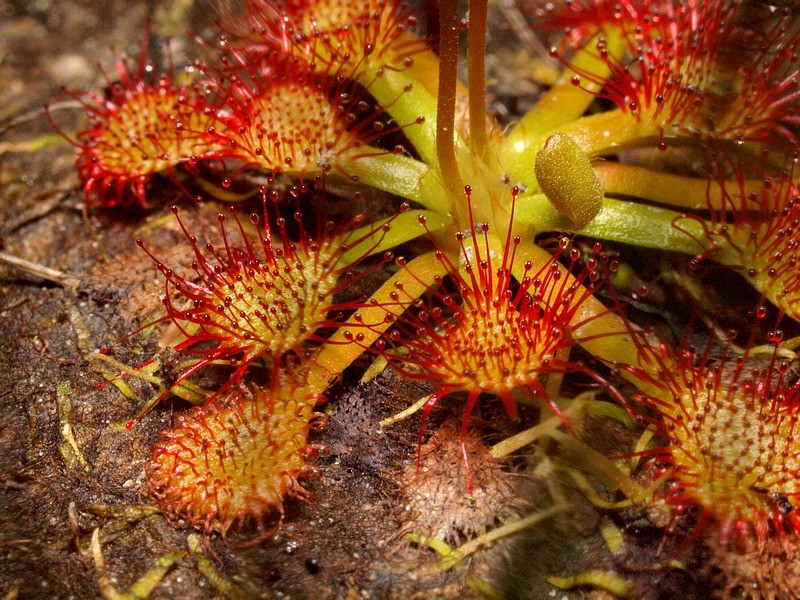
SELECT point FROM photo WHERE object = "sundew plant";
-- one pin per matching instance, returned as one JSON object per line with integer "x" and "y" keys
{"x": 494, "y": 269}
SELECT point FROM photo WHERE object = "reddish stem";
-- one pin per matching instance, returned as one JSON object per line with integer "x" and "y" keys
{"x": 476, "y": 76}
{"x": 446, "y": 100}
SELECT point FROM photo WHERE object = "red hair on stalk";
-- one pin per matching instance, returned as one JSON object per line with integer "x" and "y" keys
{"x": 584, "y": 20}
{"x": 265, "y": 297}
{"x": 233, "y": 462}
{"x": 676, "y": 55}
{"x": 730, "y": 426}
{"x": 503, "y": 326}
{"x": 342, "y": 36}
{"x": 143, "y": 125}
{"x": 667, "y": 67}
{"x": 756, "y": 228}
{"x": 764, "y": 102}
{"x": 286, "y": 119}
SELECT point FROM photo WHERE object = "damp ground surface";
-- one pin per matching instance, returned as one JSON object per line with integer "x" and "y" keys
{"x": 67, "y": 465}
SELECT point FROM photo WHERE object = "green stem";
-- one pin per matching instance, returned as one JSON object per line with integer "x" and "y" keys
{"x": 403, "y": 176}
{"x": 564, "y": 102}
{"x": 595, "y": 578}
{"x": 406, "y": 105}
{"x": 646, "y": 226}
{"x": 663, "y": 229}
{"x": 402, "y": 228}
{"x": 621, "y": 221}
{"x": 611, "y": 132}
{"x": 476, "y": 76}
{"x": 528, "y": 436}
{"x": 392, "y": 298}
{"x": 507, "y": 529}
{"x": 591, "y": 461}
{"x": 676, "y": 190}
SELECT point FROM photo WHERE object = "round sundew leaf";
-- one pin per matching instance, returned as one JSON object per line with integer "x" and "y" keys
{"x": 730, "y": 431}
{"x": 234, "y": 460}
{"x": 299, "y": 129}
{"x": 251, "y": 299}
{"x": 332, "y": 36}
{"x": 137, "y": 130}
